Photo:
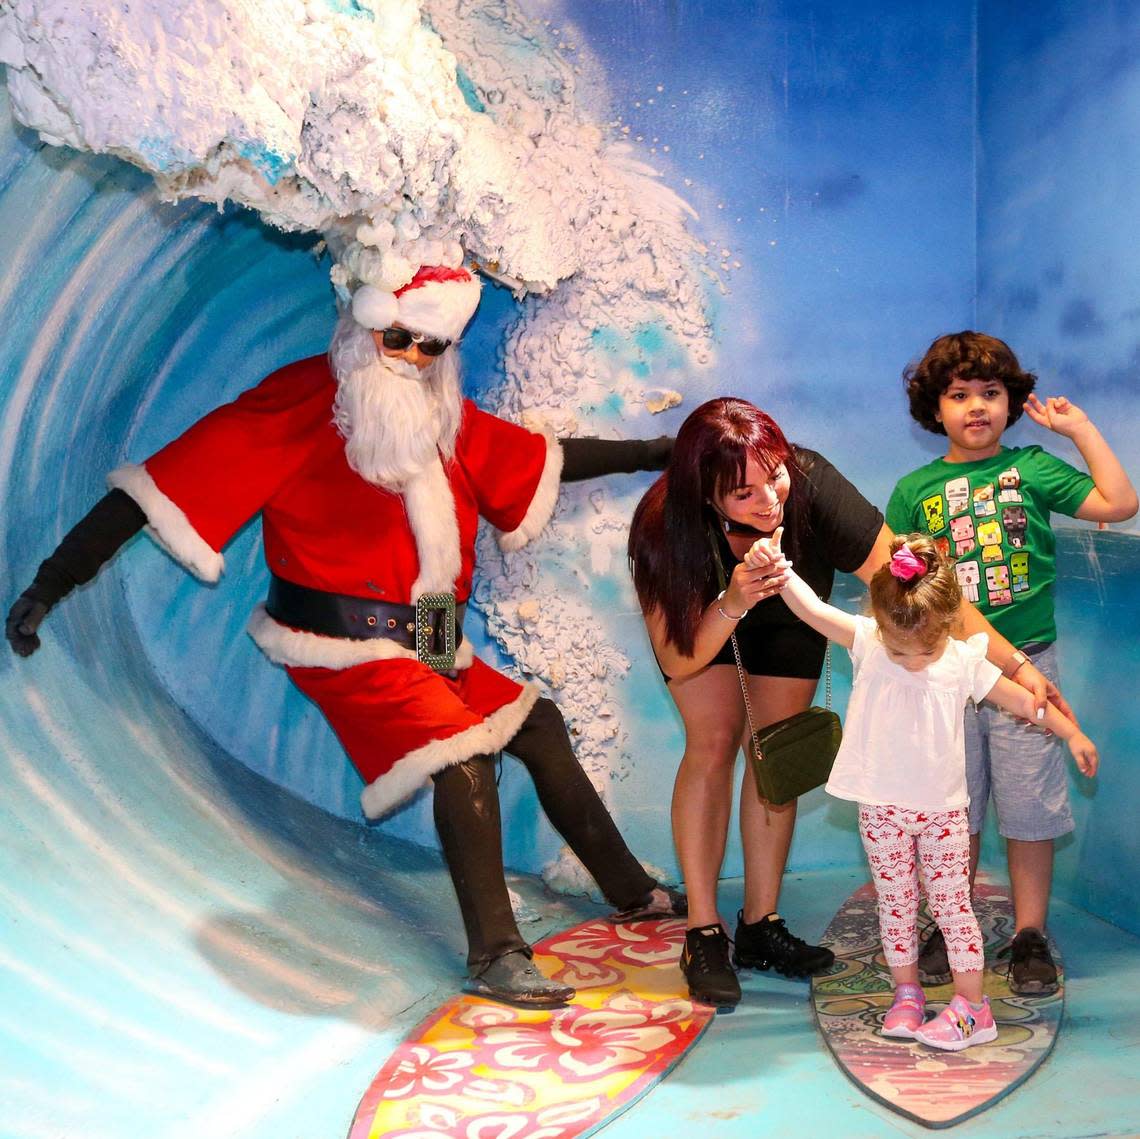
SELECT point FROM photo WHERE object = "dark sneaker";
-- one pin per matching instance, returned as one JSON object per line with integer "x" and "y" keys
{"x": 706, "y": 966}
{"x": 767, "y": 944}
{"x": 660, "y": 902}
{"x": 1031, "y": 969}
{"x": 933, "y": 961}
{"x": 515, "y": 980}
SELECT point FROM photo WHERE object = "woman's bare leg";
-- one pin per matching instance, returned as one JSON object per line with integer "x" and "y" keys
{"x": 767, "y": 833}
{"x": 713, "y": 714}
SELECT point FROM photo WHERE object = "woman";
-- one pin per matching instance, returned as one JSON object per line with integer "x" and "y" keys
{"x": 732, "y": 478}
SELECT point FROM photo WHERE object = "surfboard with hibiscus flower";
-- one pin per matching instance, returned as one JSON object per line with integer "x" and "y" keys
{"x": 475, "y": 1067}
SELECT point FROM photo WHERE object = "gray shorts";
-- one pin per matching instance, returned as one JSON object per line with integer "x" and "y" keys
{"x": 1023, "y": 767}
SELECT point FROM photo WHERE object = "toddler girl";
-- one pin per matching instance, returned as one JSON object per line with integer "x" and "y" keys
{"x": 903, "y": 761}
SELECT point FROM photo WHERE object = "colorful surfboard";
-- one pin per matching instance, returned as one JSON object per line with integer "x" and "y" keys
{"x": 477, "y": 1067}
{"x": 936, "y": 1089}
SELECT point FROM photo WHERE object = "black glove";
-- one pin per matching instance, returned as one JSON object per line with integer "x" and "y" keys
{"x": 93, "y": 540}
{"x": 588, "y": 458}
{"x": 23, "y": 620}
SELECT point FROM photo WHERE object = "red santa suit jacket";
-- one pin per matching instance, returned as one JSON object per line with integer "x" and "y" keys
{"x": 275, "y": 450}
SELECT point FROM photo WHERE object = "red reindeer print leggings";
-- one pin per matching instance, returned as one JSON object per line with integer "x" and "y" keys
{"x": 903, "y": 846}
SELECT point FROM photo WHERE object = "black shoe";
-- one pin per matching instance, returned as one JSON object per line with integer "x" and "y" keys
{"x": 706, "y": 966}
{"x": 1031, "y": 969}
{"x": 660, "y": 902}
{"x": 515, "y": 980}
{"x": 767, "y": 944}
{"x": 933, "y": 961}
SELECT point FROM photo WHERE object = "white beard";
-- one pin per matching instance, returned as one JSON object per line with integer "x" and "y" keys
{"x": 395, "y": 419}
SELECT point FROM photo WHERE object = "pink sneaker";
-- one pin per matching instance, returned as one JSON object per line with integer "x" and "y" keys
{"x": 959, "y": 1025}
{"x": 906, "y": 1012}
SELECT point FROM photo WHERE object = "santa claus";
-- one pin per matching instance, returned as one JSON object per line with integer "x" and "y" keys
{"x": 370, "y": 473}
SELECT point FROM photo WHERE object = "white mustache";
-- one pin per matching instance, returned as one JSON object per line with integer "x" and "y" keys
{"x": 401, "y": 369}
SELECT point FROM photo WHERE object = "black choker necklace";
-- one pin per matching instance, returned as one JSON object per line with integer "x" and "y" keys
{"x": 731, "y": 527}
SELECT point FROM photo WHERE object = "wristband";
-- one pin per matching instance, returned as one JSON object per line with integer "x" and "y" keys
{"x": 729, "y": 616}
{"x": 1016, "y": 660}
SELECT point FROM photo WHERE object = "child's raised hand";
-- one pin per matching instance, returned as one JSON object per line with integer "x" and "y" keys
{"x": 762, "y": 572}
{"x": 1056, "y": 414}
{"x": 1084, "y": 752}
{"x": 766, "y": 552}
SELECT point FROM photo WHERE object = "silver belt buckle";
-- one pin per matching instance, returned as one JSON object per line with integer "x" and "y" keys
{"x": 436, "y": 603}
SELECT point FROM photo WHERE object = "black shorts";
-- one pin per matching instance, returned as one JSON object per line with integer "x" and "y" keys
{"x": 776, "y": 650}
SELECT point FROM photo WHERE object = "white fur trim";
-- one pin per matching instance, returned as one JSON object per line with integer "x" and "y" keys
{"x": 374, "y": 308}
{"x": 168, "y": 524}
{"x": 298, "y": 649}
{"x": 544, "y": 500}
{"x": 413, "y": 770}
{"x": 430, "y": 507}
{"x": 439, "y": 308}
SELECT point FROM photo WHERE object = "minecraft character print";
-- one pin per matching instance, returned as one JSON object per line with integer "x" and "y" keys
{"x": 984, "y": 505}
{"x": 934, "y": 511}
{"x": 1009, "y": 486}
{"x": 989, "y": 535}
{"x": 969, "y": 574}
{"x": 957, "y": 495}
{"x": 1019, "y": 571}
{"x": 1015, "y": 521}
{"x": 962, "y": 535}
{"x": 997, "y": 585}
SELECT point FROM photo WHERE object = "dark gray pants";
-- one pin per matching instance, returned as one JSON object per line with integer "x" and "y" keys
{"x": 470, "y": 832}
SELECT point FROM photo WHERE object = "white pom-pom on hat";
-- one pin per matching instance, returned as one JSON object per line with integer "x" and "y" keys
{"x": 374, "y": 308}
{"x": 438, "y": 301}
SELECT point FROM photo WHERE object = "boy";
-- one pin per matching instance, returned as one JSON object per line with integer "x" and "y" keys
{"x": 989, "y": 506}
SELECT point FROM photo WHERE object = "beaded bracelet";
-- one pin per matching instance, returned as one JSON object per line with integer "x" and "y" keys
{"x": 728, "y": 616}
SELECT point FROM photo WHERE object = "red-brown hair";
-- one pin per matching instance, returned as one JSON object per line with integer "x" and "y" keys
{"x": 669, "y": 550}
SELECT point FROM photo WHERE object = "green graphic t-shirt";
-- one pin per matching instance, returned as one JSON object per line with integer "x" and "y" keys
{"x": 993, "y": 517}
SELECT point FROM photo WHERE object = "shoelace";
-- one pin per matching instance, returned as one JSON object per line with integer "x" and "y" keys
{"x": 784, "y": 936}
{"x": 710, "y": 957}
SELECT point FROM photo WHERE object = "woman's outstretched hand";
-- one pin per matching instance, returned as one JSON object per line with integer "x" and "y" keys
{"x": 762, "y": 573}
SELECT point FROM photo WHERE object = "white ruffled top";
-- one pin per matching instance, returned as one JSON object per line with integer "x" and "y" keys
{"x": 903, "y": 742}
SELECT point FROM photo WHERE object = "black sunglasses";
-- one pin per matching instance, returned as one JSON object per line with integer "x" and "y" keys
{"x": 397, "y": 339}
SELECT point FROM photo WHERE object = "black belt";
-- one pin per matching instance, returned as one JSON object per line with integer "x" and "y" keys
{"x": 432, "y": 628}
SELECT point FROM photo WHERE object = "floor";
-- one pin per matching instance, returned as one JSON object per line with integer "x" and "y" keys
{"x": 762, "y": 1069}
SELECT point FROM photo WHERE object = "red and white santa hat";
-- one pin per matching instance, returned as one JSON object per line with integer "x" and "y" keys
{"x": 437, "y": 302}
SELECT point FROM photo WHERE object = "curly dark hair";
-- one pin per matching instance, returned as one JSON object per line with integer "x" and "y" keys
{"x": 966, "y": 356}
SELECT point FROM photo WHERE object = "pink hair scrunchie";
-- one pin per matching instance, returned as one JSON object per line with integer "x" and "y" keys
{"x": 906, "y": 564}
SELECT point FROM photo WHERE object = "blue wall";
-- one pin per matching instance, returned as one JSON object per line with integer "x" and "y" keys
{"x": 830, "y": 152}
{"x": 1059, "y": 280}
